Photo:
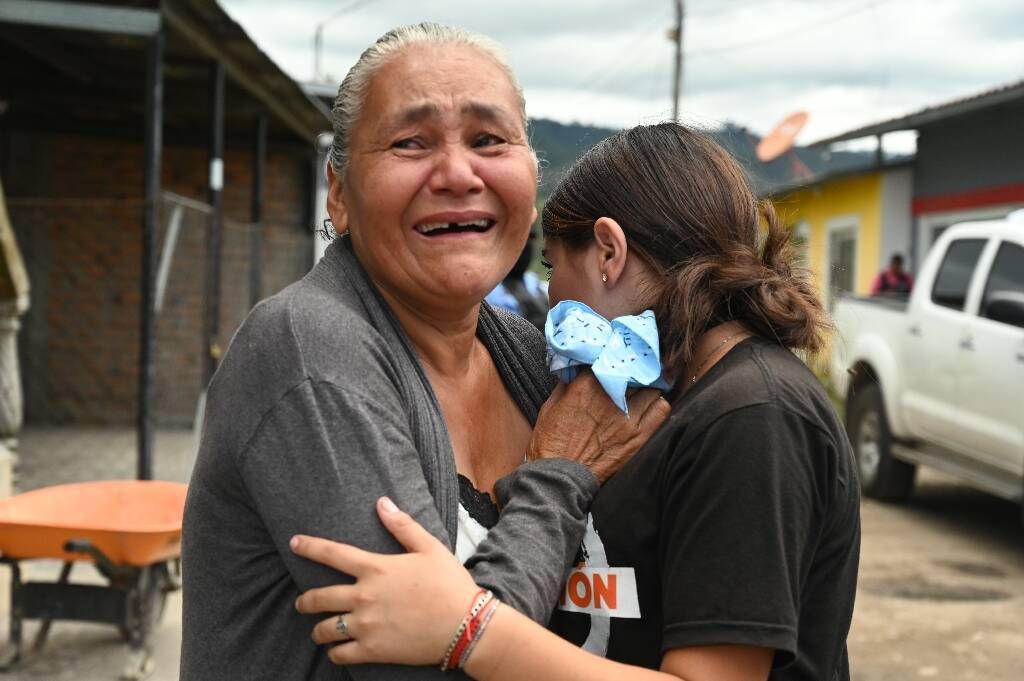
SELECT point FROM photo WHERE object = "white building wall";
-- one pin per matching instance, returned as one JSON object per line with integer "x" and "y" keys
{"x": 896, "y": 219}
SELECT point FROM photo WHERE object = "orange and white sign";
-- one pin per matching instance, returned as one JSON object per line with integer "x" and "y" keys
{"x": 601, "y": 591}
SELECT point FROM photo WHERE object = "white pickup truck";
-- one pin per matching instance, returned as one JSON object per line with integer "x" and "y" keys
{"x": 938, "y": 380}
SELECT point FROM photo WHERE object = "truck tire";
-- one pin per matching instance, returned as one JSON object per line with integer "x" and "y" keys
{"x": 881, "y": 476}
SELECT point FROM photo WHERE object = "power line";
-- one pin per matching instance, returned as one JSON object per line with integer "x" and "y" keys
{"x": 622, "y": 59}
{"x": 786, "y": 33}
{"x": 318, "y": 34}
{"x": 604, "y": 72}
{"x": 355, "y": 4}
{"x": 723, "y": 9}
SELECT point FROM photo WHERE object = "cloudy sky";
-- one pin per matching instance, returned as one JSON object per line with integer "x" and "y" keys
{"x": 609, "y": 62}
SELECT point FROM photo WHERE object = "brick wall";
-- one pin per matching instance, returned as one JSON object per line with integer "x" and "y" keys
{"x": 75, "y": 206}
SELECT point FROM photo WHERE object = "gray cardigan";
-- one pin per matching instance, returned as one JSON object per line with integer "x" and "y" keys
{"x": 319, "y": 407}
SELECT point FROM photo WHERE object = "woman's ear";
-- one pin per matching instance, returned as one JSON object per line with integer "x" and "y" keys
{"x": 336, "y": 201}
{"x": 611, "y": 249}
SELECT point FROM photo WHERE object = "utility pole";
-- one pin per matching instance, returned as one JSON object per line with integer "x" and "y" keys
{"x": 676, "y": 34}
{"x": 318, "y": 44}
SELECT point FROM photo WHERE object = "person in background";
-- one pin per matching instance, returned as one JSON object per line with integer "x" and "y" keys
{"x": 522, "y": 292}
{"x": 894, "y": 281}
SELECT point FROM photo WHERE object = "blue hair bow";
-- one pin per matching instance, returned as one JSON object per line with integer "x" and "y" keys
{"x": 623, "y": 353}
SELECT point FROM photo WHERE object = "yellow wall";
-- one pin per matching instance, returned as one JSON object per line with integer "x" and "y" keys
{"x": 860, "y": 197}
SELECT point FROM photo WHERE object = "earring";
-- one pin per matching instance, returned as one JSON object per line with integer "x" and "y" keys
{"x": 604, "y": 277}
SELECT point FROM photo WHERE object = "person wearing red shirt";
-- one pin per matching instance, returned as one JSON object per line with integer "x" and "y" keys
{"x": 894, "y": 280}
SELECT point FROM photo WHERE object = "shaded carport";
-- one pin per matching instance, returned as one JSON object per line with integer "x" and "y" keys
{"x": 161, "y": 72}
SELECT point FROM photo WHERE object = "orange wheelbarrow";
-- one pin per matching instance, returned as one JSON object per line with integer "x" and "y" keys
{"x": 130, "y": 530}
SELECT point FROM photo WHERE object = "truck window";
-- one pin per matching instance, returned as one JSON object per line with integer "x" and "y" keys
{"x": 1005, "y": 282}
{"x": 954, "y": 276}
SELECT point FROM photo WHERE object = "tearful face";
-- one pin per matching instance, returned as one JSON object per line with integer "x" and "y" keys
{"x": 440, "y": 188}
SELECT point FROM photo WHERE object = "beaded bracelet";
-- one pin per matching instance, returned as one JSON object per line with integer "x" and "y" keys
{"x": 469, "y": 634}
{"x": 485, "y": 618}
{"x": 479, "y": 601}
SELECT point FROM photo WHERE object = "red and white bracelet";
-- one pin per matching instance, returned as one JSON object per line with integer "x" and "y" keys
{"x": 485, "y": 618}
{"x": 469, "y": 631}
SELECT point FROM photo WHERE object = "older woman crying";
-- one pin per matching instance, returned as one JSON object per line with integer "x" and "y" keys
{"x": 381, "y": 373}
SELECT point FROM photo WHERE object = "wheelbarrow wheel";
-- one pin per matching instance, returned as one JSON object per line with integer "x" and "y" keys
{"x": 152, "y": 586}
{"x": 156, "y": 617}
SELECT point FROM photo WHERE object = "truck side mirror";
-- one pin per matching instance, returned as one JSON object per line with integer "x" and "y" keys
{"x": 1006, "y": 307}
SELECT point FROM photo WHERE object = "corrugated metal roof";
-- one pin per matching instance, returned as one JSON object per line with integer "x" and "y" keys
{"x": 832, "y": 174}
{"x": 211, "y": 28}
{"x": 67, "y": 74}
{"x": 931, "y": 114}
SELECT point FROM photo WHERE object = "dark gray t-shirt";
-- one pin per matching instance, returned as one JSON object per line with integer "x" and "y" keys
{"x": 318, "y": 408}
{"x": 736, "y": 524}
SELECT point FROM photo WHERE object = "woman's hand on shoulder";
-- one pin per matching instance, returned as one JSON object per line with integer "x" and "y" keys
{"x": 402, "y": 609}
{"x": 581, "y": 423}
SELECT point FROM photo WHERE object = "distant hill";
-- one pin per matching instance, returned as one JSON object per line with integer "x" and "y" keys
{"x": 559, "y": 145}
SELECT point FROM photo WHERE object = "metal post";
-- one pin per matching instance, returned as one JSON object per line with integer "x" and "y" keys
{"x": 215, "y": 230}
{"x": 259, "y": 159}
{"x": 150, "y": 217}
{"x": 318, "y": 41}
{"x": 677, "y": 78}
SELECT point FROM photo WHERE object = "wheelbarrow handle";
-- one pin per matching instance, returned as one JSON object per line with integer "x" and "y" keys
{"x": 103, "y": 563}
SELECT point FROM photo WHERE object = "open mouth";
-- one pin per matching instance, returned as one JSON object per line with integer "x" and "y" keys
{"x": 444, "y": 228}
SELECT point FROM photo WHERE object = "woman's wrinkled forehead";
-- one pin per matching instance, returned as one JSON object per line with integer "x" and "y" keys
{"x": 436, "y": 81}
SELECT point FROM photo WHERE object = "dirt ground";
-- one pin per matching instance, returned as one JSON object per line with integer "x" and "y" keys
{"x": 941, "y": 591}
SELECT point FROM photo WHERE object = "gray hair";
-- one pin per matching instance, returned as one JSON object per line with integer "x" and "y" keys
{"x": 352, "y": 93}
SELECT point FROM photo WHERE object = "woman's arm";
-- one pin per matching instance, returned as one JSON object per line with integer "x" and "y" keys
{"x": 326, "y": 452}
{"x": 515, "y": 648}
{"x": 544, "y": 502}
{"x": 403, "y": 609}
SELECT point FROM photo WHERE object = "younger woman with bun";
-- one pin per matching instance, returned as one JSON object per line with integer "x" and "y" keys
{"x": 727, "y": 548}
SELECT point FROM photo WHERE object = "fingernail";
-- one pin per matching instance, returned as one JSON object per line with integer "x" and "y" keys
{"x": 294, "y": 542}
{"x": 388, "y": 505}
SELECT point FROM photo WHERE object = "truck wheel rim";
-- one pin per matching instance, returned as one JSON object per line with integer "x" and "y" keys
{"x": 868, "y": 452}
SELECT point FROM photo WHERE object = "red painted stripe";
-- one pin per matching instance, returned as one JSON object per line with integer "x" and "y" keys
{"x": 991, "y": 196}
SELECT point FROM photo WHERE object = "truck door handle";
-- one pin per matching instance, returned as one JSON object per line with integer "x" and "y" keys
{"x": 1020, "y": 357}
{"x": 967, "y": 343}
{"x": 915, "y": 330}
